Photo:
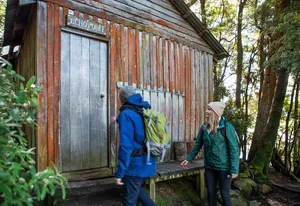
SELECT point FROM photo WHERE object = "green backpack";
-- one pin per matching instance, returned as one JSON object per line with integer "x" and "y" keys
{"x": 157, "y": 133}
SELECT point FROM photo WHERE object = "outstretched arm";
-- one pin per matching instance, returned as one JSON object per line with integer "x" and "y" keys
{"x": 197, "y": 146}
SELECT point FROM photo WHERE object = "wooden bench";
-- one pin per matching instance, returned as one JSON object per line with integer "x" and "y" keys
{"x": 173, "y": 169}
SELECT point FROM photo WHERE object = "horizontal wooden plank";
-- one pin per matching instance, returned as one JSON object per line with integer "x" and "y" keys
{"x": 165, "y": 5}
{"x": 135, "y": 22}
{"x": 159, "y": 12}
{"x": 142, "y": 17}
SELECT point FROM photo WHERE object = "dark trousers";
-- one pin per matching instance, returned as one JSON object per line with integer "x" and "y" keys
{"x": 212, "y": 177}
{"x": 133, "y": 192}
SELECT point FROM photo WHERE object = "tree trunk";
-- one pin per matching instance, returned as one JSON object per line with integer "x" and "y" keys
{"x": 264, "y": 108}
{"x": 286, "y": 145}
{"x": 264, "y": 152}
{"x": 239, "y": 69}
{"x": 296, "y": 158}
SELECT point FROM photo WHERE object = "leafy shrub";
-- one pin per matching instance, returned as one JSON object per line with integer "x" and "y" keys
{"x": 20, "y": 184}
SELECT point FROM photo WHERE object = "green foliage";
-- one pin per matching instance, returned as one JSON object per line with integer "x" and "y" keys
{"x": 237, "y": 118}
{"x": 2, "y": 15}
{"x": 20, "y": 184}
{"x": 287, "y": 41}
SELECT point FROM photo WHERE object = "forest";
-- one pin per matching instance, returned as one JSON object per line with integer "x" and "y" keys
{"x": 262, "y": 39}
{"x": 259, "y": 80}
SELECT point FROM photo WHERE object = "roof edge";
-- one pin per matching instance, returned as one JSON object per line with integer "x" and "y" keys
{"x": 190, "y": 17}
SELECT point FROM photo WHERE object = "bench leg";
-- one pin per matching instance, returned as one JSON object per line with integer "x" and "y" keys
{"x": 152, "y": 189}
{"x": 201, "y": 185}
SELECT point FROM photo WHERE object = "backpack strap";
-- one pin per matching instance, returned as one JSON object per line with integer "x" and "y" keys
{"x": 223, "y": 132}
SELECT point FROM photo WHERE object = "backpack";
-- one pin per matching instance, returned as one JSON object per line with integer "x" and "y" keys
{"x": 223, "y": 132}
{"x": 157, "y": 133}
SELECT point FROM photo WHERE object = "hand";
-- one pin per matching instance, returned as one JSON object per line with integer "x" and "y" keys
{"x": 113, "y": 119}
{"x": 184, "y": 163}
{"x": 118, "y": 181}
{"x": 234, "y": 176}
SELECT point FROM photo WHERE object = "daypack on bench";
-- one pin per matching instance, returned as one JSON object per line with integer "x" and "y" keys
{"x": 157, "y": 133}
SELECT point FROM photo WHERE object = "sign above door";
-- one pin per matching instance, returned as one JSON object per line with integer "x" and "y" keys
{"x": 86, "y": 25}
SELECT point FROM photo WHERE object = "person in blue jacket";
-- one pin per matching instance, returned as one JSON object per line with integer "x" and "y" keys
{"x": 132, "y": 168}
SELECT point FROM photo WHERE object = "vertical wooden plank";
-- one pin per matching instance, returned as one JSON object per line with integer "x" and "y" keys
{"x": 142, "y": 60}
{"x": 153, "y": 100}
{"x": 50, "y": 74}
{"x": 65, "y": 132}
{"x": 159, "y": 62}
{"x": 131, "y": 57}
{"x": 95, "y": 104}
{"x": 181, "y": 104}
{"x": 85, "y": 100}
{"x": 103, "y": 105}
{"x": 202, "y": 184}
{"x": 138, "y": 59}
{"x": 113, "y": 95}
{"x": 75, "y": 102}
{"x": 205, "y": 80}
{"x": 152, "y": 189}
{"x": 147, "y": 69}
{"x": 153, "y": 63}
{"x": 188, "y": 94}
{"x": 119, "y": 62}
{"x": 211, "y": 78}
{"x": 197, "y": 93}
{"x": 175, "y": 117}
{"x": 123, "y": 74}
{"x": 58, "y": 22}
{"x": 146, "y": 94}
{"x": 42, "y": 79}
{"x": 176, "y": 68}
{"x": 193, "y": 95}
{"x": 166, "y": 66}
{"x": 169, "y": 111}
{"x": 202, "y": 89}
{"x": 125, "y": 55}
{"x": 146, "y": 61}
{"x": 171, "y": 66}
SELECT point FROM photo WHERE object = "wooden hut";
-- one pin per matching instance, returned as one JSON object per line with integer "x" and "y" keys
{"x": 82, "y": 51}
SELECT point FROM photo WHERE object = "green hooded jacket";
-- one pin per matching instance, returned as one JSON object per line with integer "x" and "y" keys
{"x": 217, "y": 154}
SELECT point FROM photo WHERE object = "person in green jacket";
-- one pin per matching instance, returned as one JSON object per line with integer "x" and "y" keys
{"x": 221, "y": 153}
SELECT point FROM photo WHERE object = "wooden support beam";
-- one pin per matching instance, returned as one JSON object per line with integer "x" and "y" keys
{"x": 202, "y": 191}
{"x": 152, "y": 189}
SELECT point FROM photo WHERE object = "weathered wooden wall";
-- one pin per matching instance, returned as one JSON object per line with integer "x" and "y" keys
{"x": 150, "y": 45}
{"x": 26, "y": 66}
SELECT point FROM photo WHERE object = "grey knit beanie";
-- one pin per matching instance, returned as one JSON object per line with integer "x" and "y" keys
{"x": 126, "y": 92}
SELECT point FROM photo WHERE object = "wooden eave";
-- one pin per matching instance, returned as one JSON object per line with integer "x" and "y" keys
{"x": 195, "y": 22}
{"x": 17, "y": 18}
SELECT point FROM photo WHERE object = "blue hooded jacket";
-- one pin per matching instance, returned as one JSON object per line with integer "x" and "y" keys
{"x": 131, "y": 129}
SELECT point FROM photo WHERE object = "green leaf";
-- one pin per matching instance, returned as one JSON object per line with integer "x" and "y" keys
{"x": 34, "y": 101}
{"x": 63, "y": 190}
{"x": 30, "y": 82}
{"x": 17, "y": 76}
{"x": 6, "y": 191}
{"x": 22, "y": 86}
{"x": 44, "y": 192}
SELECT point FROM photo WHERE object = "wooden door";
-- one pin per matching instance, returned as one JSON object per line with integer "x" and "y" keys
{"x": 83, "y": 107}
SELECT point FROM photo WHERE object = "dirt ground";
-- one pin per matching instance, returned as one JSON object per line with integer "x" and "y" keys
{"x": 280, "y": 196}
